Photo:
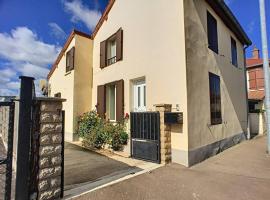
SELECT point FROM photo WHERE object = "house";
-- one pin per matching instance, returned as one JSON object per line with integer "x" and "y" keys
{"x": 188, "y": 54}
{"x": 71, "y": 78}
{"x": 256, "y": 94}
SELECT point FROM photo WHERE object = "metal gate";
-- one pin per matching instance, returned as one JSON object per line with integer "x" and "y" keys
{"x": 145, "y": 136}
{"x": 6, "y": 148}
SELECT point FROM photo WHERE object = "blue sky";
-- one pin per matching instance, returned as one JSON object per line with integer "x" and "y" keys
{"x": 32, "y": 32}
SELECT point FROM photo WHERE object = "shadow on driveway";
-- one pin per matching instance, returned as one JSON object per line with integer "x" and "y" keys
{"x": 83, "y": 166}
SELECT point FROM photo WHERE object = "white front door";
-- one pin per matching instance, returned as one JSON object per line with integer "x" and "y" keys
{"x": 140, "y": 96}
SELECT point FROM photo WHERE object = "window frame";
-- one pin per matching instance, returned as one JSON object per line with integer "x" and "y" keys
{"x": 216, "y": 111}
{"x": 234, "y": 53}
{"x": 108, "y": 110}
{"x": 213, "y": 21}
{"x": 112, "y": 59}
{"x": 70, "y": 67}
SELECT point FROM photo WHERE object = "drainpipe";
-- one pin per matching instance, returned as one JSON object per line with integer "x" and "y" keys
{"x": 245, "y": 71}
{"x": 266, "y": 69}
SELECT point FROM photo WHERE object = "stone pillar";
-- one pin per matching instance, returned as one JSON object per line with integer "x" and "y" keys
{"x": 165, "y": 134}
{"x": 50, "y": 149}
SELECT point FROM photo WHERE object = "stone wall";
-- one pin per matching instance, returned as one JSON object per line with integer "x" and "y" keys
{"x": 50, "y": 149}
{"x": 165, "y": 134}
{"x": 4, "y": 122}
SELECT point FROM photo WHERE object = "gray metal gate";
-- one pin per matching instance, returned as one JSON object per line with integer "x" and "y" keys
{"x": 145, "y": 136}
{"x": 6, "y": 148}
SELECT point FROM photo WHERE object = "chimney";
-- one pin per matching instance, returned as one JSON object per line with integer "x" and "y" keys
{"x": 256, "y": 53}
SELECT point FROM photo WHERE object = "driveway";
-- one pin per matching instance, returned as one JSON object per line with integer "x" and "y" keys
{"x": 83, "y": 166}
{"x": 241, "y": 173}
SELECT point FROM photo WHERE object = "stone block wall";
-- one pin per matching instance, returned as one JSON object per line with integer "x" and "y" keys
{"x": 50, "y": 149}
{"x": 165, "y": 134}
{"x": 4, "y": 122}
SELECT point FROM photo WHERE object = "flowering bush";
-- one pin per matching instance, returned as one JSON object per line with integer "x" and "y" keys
{"x": 97, "y": 132}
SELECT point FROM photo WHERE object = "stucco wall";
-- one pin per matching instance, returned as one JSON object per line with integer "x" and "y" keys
{"x": 63, "y": 82}
{"x": 75, "y": 86}
{"x": 201, "y": 61}
{"x": 83, "y": 76}
{"x": 153, "y": 48}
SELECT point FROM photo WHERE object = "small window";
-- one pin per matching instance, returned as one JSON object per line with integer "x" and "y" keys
{"x": 57, "y": 95}
{"x": 111, "y": 51}
{"x": 70, "y": 59}
{"x": 111, "y": 102}
{"x": 212, "y": 33}
{"x": 215, "y": 99}
{"x": 234, "y": 52}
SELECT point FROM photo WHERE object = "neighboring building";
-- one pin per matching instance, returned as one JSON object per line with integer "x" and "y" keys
{"x": 6, "y": 98}
{"x": 71, "y": 78}
{"x": 185, "y": 53}
{"x": 256, "y": 94}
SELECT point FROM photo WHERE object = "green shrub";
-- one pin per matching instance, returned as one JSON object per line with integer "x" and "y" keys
{"x": 96, "y": 132}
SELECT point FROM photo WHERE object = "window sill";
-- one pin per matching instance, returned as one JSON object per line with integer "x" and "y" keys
{"x": 67, "y": 73}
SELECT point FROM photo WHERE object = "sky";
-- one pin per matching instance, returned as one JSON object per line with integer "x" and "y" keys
{"x": 32, "y": 33}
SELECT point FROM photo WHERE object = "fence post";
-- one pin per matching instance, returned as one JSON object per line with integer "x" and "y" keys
{"x": 24, "y": 137}
{"x": 50, "y": 145}
{"x": 165, "y": 134}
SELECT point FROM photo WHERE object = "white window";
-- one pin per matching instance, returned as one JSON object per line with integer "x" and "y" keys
{"x": 140, "y": 96}
{"x": 111, "y": 102}
{"x": 111, "y": 51}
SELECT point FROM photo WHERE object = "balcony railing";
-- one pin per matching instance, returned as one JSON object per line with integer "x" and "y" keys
{"x": 111, "y": 61}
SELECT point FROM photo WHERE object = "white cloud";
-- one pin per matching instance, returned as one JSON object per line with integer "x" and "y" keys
{"x": 82, "y": 13}
{"x": 7, "y": 92}
{"x": 57, "y": 31}
{"x": 6, "y": 75}
{"x": 22, "y": 45}
{"x": 36, "y": 71}
{"x": 25, "y": 54}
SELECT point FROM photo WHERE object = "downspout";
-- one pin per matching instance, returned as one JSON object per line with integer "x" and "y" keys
{"x": 245, "y": 70}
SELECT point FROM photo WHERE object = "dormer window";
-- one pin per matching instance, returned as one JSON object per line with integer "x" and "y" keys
{"x": 111, "y": 50}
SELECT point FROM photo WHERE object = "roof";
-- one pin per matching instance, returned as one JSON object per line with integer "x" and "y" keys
{"x": 103, "y": 17}
{"x": 256, "y": 95}
{"x": 254, "y": 62}
{"x": 230, "y": 20}
{"x": 71, "y": 36}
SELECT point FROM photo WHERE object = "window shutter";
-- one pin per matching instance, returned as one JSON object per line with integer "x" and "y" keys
{"x": 67, "y": 61}
{"x": 101, "y": 99}
{"x": 119, "y": 45}
{"x": 72, "y": 58}
{"x": 119, "y": 100}
{"x": 103, "y": 54}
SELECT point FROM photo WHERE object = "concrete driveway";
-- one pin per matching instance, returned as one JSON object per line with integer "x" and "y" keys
{"x": 240, "y": 173}
{"x": 83, "y": 166}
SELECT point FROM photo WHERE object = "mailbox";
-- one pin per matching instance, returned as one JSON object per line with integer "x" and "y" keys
{"x": 173, "y": 118}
